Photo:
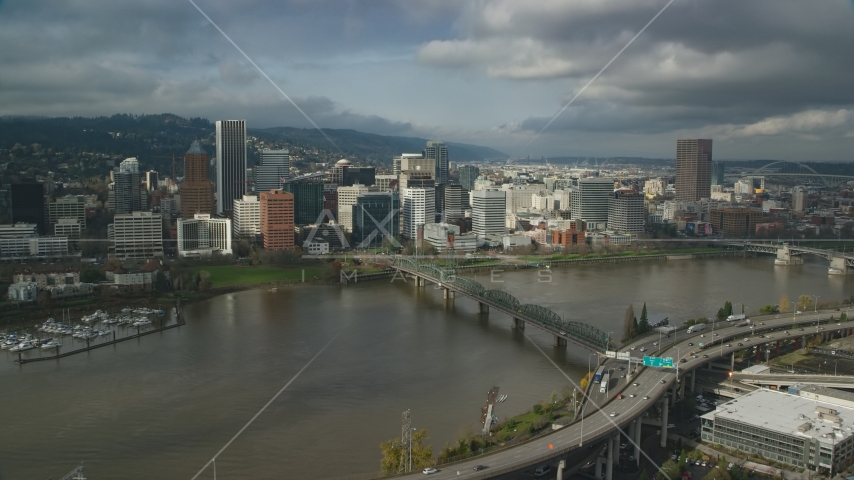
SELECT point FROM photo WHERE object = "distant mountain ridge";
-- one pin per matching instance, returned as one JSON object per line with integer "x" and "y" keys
{"x": 174, "y": 133}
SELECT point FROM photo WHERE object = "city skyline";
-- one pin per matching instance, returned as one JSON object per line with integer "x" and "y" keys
{"x": 730, "y": 81}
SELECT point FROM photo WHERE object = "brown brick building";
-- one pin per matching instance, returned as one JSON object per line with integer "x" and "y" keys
{"x": 693, "y": 169}
{"x": 737, "y": 221}
{"x": 197, "y": 191}
{"x": 277, "y": 219}
{"x": 569, "y": 237}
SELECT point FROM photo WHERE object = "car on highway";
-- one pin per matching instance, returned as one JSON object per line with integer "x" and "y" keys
{"x": 636, "y": 384}
{"x": 429, "y": 470}
{"x": 717, "y": 335}
{"x": 740, "y": 344}
{"x": 683, "y": 360}
{"x": 643, "y": 349}
{"x": 632, "y": 395}
{"x": 633, "y": 348}
{"x": 663, "y": 381}
{"x": 646, "y": 397}
{"x": 690, "y": 344}
{"x": 621, "y": 368}
{"x": 705, "y": 356}
{"x": 479, "y": 467}
{"x": 654, "y": 344}
{"x": 746, "y": 339}
{"x": 728, "y": 345}
{"x": 796, "y": 313}
{"x": 542, "y": 471}
{"x": 620, "y": 396}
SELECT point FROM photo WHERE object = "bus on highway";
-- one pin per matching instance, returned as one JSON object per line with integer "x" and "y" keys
{"x": 597, "y": 377}
{"x": 603, "y": 387}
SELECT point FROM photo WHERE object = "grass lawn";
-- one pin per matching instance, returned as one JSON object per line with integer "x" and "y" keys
{"x": 228, "y": 275}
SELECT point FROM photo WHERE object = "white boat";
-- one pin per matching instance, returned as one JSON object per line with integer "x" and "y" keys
{"x": 8, "y": 344}
{"x": 23, "y": 346}
{"x": 51, "y": 344}
{"x": 142, "y": 322}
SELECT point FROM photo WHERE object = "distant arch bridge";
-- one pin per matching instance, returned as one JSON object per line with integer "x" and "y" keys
{"x": 784, "y": 168}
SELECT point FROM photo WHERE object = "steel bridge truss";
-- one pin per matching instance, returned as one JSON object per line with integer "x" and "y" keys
{"x": 578, "y": 332}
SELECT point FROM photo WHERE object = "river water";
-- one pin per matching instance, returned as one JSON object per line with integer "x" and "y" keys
{"x": 162, "y": 406}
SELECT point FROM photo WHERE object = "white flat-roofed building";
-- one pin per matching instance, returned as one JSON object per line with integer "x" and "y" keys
{"x": 785, "y": 428}
{"x": 69, "y": 227}
{"x": 69, "y": 206}
{"x": 247, "y": 217}
{"x": 12, "y": 230}
{"x": 443, "y": 235}
{"x": 202, "y": 235}
{"x": 137, "y": 235}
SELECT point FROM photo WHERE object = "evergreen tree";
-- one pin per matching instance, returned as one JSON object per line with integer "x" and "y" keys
{"x": 643, "y": 326}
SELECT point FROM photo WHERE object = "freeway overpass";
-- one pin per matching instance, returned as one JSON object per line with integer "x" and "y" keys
{"x": 782, "y": 380}
{"x": 606, "y": 421}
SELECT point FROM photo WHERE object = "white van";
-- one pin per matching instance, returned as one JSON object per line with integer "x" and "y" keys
{"x": 542, "y": 471}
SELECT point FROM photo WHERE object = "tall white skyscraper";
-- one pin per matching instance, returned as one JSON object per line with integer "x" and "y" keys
{"x": 274, "y": 170}
{"x": 438, "y": 151}
{"x": 419, "y": 208}
{"x": 230, "y": 163}
{"x": 488, "y": 212}
{"x": 590, "y": 199}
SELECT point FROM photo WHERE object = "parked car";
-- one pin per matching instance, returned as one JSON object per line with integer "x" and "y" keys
{"x": 429, "y": 470}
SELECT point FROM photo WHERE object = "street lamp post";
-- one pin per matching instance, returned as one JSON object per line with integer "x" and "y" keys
{"x": 815, "y": 307}
{"x": 410, "y": 449}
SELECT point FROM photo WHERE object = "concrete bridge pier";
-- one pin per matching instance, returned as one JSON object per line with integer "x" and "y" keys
{"x": 447, "y": 293}
{"x": 615, "y": 442}
{"x": 785, "y": 257}
{"x": 638, "y": 427}
{"x": 777, "y": 354}
{"x": 518, "y": 324}
{"x": 693, "y": 379}
{"x": 599, "y": 461}
{"x": 609, "y": 463}
{"x": 560, "y": 466}
{"x": 559, "y": 341}
{"x": 803, "y": 342}
{"x": 483, "y": 308}
{"x": 838, "y": 266}
{"x": 673, "y": 395}
{"x": 664, "y": 422}
{"x": 758, "y": 354}
{"x": 732, "y": 362}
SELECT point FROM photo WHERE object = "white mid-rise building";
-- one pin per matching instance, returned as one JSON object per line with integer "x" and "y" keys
{"x": 443, "y": 236}
{"x": 626, "y": 212}
{"x": 137, "y": 235}
{"x": 519, "y": 197}
{"x": 383, "y": 182}
{"x": 69, "y": 206}
{"x": 655, "y": 186}
{"x": 419, "y": 208}
{"x": 202, "y": 235}
{"x": 247, "y": 217}
{"x": 346, "y": 199}
{"x": 488, "y": 209}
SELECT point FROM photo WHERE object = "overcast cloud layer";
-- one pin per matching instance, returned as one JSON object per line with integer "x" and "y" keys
{"x": 763, "y": 78}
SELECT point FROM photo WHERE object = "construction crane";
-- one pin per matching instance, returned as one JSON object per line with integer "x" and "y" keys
{"x": 173, "y": 163}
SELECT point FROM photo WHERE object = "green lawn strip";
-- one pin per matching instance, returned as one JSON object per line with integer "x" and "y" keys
{"x": 227, "y": 275}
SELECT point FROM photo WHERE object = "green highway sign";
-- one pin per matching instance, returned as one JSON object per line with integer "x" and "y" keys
{"x": 666, "y": 362}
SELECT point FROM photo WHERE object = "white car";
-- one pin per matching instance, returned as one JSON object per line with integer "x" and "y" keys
{"x": 429, "y": 470}
{"x": 670, "y": 425}
{"x": 642, "y": 349}
{"x": 613, "y": 414}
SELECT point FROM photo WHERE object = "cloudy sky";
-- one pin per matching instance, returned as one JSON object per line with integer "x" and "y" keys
{"x": 763, "y": 78}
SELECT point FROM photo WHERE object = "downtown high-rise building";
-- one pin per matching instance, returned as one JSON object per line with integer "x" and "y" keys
{"x": 693, "y": 169}
{"x": 468, "y": 175}
{"x": 375, "y": 218}
{"x": 717, "y": 173}
{"x": 347, "y": 197}
{"x": 230, "y": 163}
{"x": 247, "y": 218}
{"x": 197, "y": 191}
{"x": 438, "y": 152}
{"x": 626, "y": 212}
{"x": 488, "y": 210}
{"x": 309, "y": 201}
{"x": 126, "y": 187}
{"x": 273, "y": 171}
{"x": 277, "y": 219}
{"x": 28, "y": 205}
{"x": 202, "y": 235}
{"x": 589, "y": 200}
{"x": 419, "y": 208}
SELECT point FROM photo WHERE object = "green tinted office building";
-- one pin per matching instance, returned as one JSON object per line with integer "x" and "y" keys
{"x": 308, "y": 201}
{"x": 376, "y": 215}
